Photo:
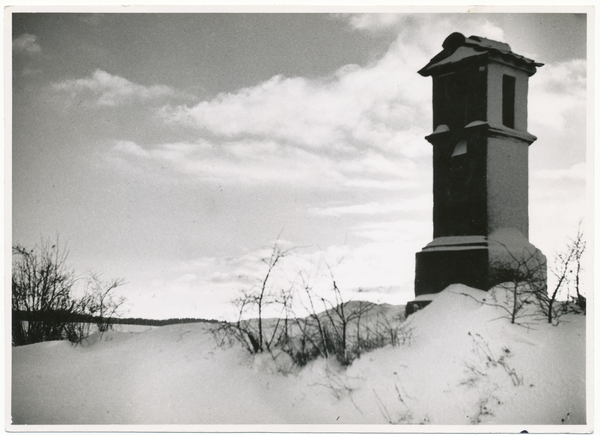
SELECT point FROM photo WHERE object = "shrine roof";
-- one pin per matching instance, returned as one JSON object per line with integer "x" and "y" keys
{"x": 457, "y": 48}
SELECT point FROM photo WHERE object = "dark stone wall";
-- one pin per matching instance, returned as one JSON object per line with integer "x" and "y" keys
{"x": 460, "y": 97}
{"x": 459, "y": 187}
{"x": 436, "y": 270}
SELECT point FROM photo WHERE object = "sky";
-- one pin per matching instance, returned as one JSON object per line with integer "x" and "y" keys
{"x": 174, "y": 150}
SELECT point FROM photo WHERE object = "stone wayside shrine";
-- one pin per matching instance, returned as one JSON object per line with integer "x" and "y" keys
{"x": 480, "y": 165}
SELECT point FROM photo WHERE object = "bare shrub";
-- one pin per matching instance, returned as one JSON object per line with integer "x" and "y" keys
{"x": 253, "y": 334}
{"x": 402, "y": 416}
{"x": 525, "y": 278}
{"x": 487, "y": 359}
{"x": 42, "y": 284}
{"x": 100, "y": 303}
{"x": 328, "y": 328}
{"x": 567, "y": 270}
{"x": 335, "y": 330}
{"x": 44, "y": 307}
{"x": 340, "y": 386}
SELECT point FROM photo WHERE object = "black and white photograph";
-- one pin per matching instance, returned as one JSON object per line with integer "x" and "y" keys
{"x": 299, "y": 219}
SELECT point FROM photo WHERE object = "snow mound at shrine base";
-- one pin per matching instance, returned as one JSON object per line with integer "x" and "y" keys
{"x": 462, "y": 362}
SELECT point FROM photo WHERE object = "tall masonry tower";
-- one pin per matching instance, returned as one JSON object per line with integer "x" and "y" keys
{"x": 480, "y": 166}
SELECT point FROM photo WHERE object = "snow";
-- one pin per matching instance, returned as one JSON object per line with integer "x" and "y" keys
{"x": 461, "y": 363}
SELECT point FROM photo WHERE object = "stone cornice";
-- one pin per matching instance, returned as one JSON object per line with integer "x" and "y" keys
{"x": 443, "y": 131}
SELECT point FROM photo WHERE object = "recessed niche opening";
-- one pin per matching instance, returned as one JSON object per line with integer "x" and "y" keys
{"x": 508, "y": 101}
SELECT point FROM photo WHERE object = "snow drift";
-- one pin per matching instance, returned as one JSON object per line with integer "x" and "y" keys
{"x": 462, "y": 363}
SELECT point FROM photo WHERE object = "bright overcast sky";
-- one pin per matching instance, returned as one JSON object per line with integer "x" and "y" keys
{"x": 172, "y": 150}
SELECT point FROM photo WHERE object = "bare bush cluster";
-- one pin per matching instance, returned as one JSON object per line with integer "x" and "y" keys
{"x": 44, "y": 305}
{"x": 486, "y": 360}
{"x": 332, "y": 328}
{"x": 524, "y": 276}
{"x": 404, "y": 414}
{"x": 337, "y": 329}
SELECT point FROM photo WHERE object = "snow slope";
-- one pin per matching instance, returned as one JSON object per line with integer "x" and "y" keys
{"x": 461, "y": 363}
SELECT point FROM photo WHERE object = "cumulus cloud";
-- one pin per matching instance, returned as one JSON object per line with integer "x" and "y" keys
{"x": 356, "y": 107}
{"x": 232, "y": 162}
{"x": 560, "y": 92}
{"x": 559, "y": 173}
{"x": 252, "y": 162}
{"x": 375, "y": 208}
{"x": 416, "y": 28}
{"x": 105, "y": 89}
{"x": 361, "y": 127}
{"x": 573, "y": 173}
{"x": 562, "y": 190}
{"x": 374, "y": 22}
{"x": 26, "y": 44}
{"x": 384, "y": 105}
{"x": 490, "y": 31}
{"x": 559, "y": 207}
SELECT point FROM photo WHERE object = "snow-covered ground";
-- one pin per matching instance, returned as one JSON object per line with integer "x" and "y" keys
{"x": 462, "y": 363}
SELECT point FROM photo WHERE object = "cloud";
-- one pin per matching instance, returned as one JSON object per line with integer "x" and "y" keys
{"x": 354, "y": 107}
{"x": 105, "y": 89}
{"x": 375, "y": 208}
{"x": 490, "y": 31}
{"x": 254, "y": 162}
{"x": 362, "y": 126}
{"x": 574, "y": 173}
{"x": 560, "y": 95}
{"x": 383, "y": 105}
{"x": 561, "y": 198}
{"x": 359, "y": 127}
{"x": 226, "y": 163}
{"x": 410, "y": 26}
{"x": 373, "y": 22}
{"x": 426, "y": 31}
{"x": 26, "y": 44}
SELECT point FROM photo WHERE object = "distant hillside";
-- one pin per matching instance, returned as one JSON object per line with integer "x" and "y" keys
{"x": 164, "y": 322}
{"x": 372, "y": 309}
{"x": 61, "y": 316}
{"x": 369, "y": 309}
